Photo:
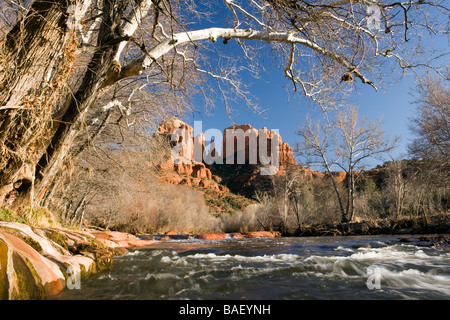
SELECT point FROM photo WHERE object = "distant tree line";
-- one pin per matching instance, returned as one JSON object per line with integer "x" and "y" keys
{"x": 416, "y": 188}
{"x": 83, "y": 83}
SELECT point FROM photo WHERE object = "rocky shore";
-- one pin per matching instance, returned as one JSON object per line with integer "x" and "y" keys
{"x": 38, "y": 262}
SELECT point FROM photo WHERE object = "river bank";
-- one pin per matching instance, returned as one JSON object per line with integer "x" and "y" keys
{"x": 438, "y": 224}
{"x": 39, "y": 262}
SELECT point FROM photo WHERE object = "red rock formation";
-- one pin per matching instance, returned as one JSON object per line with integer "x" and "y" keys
{"x": 204, "y": 183}
{"x": 253, "y": 234}
{"x": 125, "y": 240}
{"x": 210, "y": 236}
{"x": 247, "y": 142}
{"x": 247, "y": 139}
{"x": 188, "y": 171}
{"x": 182, "y": 135}
{"x": 286, "y": 155}
{"x": 310, "y": 174}
{"x": 184, "y": 168}
{"x": 26, "y": 260}
{"x": 236, "y": 235}
{"x": 339, "y": 176}
{"x": 32, "y": 266}
{"x": 259, "y": 234}
{"x": 200, "y": 171}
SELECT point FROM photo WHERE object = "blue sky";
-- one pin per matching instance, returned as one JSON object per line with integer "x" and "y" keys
{"x": 286, "y": 110}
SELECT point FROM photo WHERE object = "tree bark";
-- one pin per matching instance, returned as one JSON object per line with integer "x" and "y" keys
{"x": 351, "y": 196}
{"x": 137, "y": 66}
{"x": 37, "y": 51}
{"x": 72, "y": 122}
{"x": 41, "y": 146}
{"x": 336, "y": 190}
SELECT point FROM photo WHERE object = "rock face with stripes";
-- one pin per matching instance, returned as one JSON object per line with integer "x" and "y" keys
{"x": 37, "y": 262}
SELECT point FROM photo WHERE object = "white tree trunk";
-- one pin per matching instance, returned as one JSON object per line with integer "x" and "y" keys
{"x": 139, "y": 65}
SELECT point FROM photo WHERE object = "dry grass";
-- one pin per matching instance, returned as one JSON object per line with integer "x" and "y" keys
{"x": 155, "y": 208}
{"x": 33, "y": 216}
{"x": 249, "y": 219}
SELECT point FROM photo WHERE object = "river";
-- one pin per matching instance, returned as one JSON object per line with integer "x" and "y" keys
{"x": 365, "y": 267}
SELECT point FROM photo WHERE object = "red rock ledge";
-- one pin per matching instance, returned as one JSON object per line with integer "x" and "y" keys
{"x": 254, "y": 234}
{"x": 261, "y": 234}
{"x": 37, "y": 263}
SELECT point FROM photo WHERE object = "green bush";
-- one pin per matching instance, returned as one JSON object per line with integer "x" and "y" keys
{"x": 10, "y": 216}
{"x": 35, "y": 216}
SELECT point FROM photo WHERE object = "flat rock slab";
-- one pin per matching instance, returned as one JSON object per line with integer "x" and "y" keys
{"x": 37, "y": 263}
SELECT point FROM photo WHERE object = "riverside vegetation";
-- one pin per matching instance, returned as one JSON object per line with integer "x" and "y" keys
{"x": 43, "y": 251}
{"x": 92, "y": 217}
{"x": 85, "y": 131}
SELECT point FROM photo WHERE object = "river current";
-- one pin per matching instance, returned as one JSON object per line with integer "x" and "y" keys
{"x": 275, "y": 268}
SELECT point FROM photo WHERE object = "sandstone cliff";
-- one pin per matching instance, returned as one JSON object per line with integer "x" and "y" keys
{"x": 231, "y": 180}
{"x": 251, "y": 145}
{"x": 184, "y": 166}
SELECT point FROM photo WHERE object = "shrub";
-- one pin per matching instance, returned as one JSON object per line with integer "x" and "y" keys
{"x": 35, "y": 216}
{"x": 38, "y": 216}
{"x": 10, "y": 216}
{"x": 249, "y": 219}
{"x": 156, "y": 208}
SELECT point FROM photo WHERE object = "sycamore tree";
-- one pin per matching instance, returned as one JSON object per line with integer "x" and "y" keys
{"x": 430, "y": 144}
{"x": 431, "y": 124}
{"x": 344, "y": 144}
{"x": 65, "y": 64}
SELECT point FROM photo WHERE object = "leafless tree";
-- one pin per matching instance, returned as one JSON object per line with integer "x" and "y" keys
{"x": 431, "y": 125}
{"x": 431, "y": 146}
{"x": 285, "y": 185}
{"x": 59, "y": 58}
{"x": 345, "y": 144}
{"x": 355, "y": 143}
{"x": 315, "y": 148}
{"x": 397, "y": 186}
